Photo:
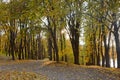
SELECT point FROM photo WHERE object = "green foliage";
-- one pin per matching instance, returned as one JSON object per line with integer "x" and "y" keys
{"x": 33, "y": 18}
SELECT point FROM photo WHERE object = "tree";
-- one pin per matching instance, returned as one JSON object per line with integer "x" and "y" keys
{"x": 74, "y": 24}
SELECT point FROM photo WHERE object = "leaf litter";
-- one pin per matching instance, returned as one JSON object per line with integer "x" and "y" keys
{"x": 32, "y": 70}
{"x": 17, "y": 75}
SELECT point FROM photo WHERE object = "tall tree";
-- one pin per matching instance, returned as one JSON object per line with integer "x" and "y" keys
{"x": 74, "y": 24}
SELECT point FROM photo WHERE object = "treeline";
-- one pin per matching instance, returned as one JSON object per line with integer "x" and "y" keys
{"x": 35, "y": 29}
{"x": 103, "y": 19}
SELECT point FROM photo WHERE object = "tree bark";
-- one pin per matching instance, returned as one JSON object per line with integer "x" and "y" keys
{"x": 74, "y": 31}
{"x": 53, "y": 35}
{"x": 117, "y": 41}
{"x": 50, "y": 48}
{"x": 106, "y": 46}
{"x": 12, "y": 38}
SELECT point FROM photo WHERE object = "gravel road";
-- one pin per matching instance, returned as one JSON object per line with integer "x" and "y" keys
{"x": 57, "y": 71}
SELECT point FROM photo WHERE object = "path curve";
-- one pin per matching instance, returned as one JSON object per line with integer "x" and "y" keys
{"x": 57, "y": 71}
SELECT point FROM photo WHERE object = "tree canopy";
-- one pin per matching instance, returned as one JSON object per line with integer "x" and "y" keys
{"x": 36, "y": 29}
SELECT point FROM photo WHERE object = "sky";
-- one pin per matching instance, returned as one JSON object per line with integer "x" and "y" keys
{"x": 6, "y": 0}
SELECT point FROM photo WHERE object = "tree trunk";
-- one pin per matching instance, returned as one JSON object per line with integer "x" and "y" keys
{"x": 12, "y": 44}
{"x": 113, "y": 54}
{"x": 12, "y": 40}
{"x": 117, "y": 41}
{"x": 56, "y": 49}
{"x": 66, "y": 59}
{"x": 74, "y": 37}
{"x": 28, "y": 45}
{"x": 98, "y": 52}
{"x": 25, "y": 46}
{"x": 28, "y": 53}
{"x": 61, "y": 45}
{"x": 75, "y": 47}
{"x": 102, "y": 55}
{"x": 20, "y": 51}
{"x": 50, "y": 48}
{"x": 53, "y": 35}
{"x": 106, "y": 46}
{"x": 94, "y": 48}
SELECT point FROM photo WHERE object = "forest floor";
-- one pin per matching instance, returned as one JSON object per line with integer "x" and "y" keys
{"x": 50, "y": 70}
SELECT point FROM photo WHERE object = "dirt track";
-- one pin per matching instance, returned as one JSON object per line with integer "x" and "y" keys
{"x": 56, "y": 71}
